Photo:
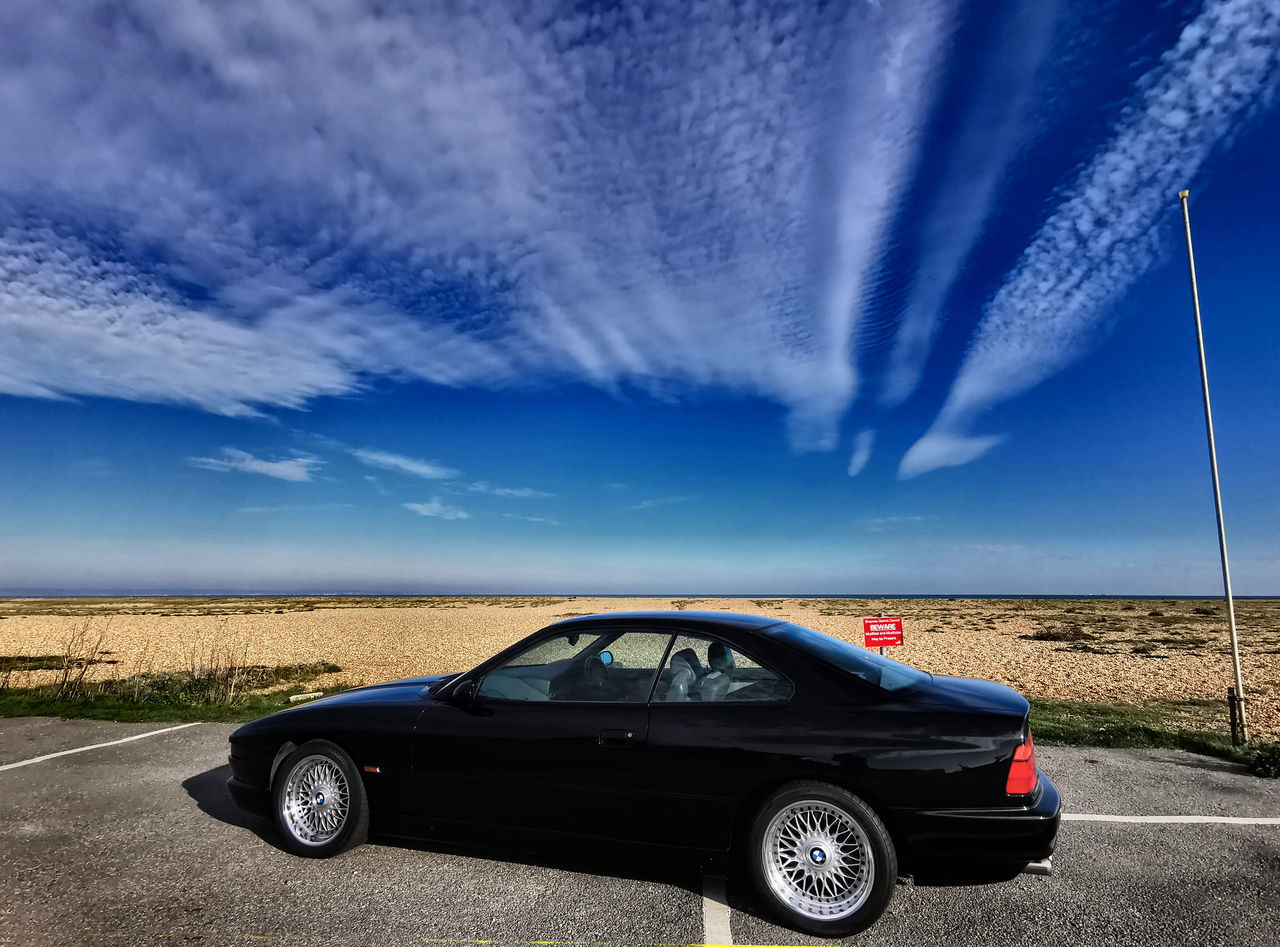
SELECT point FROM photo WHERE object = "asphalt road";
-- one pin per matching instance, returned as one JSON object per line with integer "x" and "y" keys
{"x": 138, "y": 843}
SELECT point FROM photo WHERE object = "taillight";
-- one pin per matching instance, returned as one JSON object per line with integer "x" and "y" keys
{"x": 1022, "y": 771}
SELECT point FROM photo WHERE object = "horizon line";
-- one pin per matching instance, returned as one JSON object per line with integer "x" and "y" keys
{"x": 240, "y": 593}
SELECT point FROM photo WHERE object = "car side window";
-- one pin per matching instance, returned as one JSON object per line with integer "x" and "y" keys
{"x": 707, "y": 671}
{"x": 614, "y": 667}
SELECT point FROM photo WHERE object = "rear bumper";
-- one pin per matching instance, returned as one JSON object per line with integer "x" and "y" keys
{"x": 1008, "y": 835}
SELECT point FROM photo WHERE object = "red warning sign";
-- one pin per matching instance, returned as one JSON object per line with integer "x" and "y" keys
{"x": 881, "y": 632}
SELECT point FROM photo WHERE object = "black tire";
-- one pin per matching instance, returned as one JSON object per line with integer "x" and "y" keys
{"x": 844, "y": 867}
{"x": 318, "y": 801}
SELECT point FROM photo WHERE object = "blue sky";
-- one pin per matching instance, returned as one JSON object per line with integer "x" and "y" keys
{"x": 671, "y": 298}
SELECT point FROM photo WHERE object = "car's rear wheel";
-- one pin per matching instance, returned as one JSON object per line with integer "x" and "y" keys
{"x": 822, "y": 859}
{"x": 319, "y": 801}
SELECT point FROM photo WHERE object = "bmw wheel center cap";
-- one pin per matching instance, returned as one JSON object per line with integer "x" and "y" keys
{"x": 817, "y": 856}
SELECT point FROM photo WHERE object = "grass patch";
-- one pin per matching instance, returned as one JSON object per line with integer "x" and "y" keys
{"x": 43, "y": 662}
{"x": 1180, "y": 725}
{"x": 1061, "y": 633}
{"x": 40, "y": 702}
{"x": 224, "y": 693}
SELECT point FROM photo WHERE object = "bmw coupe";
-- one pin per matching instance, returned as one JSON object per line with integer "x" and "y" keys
{"x": 827, "y": 769}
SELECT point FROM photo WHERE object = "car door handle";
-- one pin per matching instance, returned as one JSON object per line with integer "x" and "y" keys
{"x": 616, "y": 737}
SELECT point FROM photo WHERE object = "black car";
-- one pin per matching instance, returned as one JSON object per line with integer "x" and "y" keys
{"x": 829, "y": 769}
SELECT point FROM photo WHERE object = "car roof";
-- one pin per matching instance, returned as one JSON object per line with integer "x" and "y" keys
{"x": 723, "y": 620}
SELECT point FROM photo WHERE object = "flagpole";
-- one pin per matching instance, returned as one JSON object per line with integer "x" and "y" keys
{"x": 1237, "y": 699}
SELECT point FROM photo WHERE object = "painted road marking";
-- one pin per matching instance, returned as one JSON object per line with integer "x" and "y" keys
{"x": 1212, "y": 819}
{"x": 715, "y": 913}
{"x": 95, "y": 746}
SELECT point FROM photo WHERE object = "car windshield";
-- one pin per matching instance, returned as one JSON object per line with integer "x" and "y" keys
{"x": 890, "y": 675}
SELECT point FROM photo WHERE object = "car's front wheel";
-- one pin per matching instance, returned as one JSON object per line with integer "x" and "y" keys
{"x": 318, "y": 800}
{"x": 822, "y": 859}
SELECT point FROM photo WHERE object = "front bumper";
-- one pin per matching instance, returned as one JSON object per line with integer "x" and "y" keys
{"x": 250, "y": 798}
{"x": 1007, "y": 835}
{"x": 249, "y": 784}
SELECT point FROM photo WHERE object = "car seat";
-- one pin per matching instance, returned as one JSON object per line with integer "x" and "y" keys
{"x": 715, "y": 686}
{"x": 683, "y": 678}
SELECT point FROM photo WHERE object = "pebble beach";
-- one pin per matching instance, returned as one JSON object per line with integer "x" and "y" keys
{"x": 1115, "y": 650}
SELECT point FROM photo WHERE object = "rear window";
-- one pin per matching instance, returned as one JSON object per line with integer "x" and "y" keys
{"x": 890, "y": 675}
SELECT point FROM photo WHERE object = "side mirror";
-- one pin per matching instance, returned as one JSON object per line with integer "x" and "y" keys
{"x": 466, "y": 695}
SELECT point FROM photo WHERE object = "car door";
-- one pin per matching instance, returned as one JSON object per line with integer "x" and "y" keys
{"x": 551, "y": 740}
{"x": 720, "y": 723}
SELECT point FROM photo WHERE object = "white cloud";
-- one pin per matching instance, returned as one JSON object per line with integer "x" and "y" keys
{"x": 385, "y": 460}
{"x": 862, "y": 445}
{"x": 529, "y": 493}
{"x": 887, "y": 104}
{"x": 1223, "y": 67}
{"x": 546, "y": 521}
{"x": 658, "y": 502}
{"x": 435, "y": 507}
{"x": 881, "y": 523}
{"x": 987, "y": 141}
{"x": 273, "y": 203}
{"x": 297, "y": 469}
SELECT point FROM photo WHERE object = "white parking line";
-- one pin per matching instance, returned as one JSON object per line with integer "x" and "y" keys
{"x": 715, "y": 914}
{"x": 1213, "y": 819}
{"x": 95, "y": 746}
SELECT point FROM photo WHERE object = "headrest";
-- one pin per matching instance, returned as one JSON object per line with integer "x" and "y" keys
{"x": 719, "y": 657}
{"x": 680, "y": 664}
{"x": 690, "y": 658}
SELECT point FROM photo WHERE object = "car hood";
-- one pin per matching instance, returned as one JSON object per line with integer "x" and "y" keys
{"x": 967, "y": 694}
{"x": 391, "y": 690}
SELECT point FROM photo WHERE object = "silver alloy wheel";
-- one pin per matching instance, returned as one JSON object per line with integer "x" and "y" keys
{"x": 818, "y": 860}
{"x": 315, "y": 801}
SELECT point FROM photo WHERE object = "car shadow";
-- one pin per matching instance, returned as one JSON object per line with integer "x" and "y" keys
{"x": 209, "y": 792}
{"x": 616, "y": 867}
{"x": 742, "y": 897}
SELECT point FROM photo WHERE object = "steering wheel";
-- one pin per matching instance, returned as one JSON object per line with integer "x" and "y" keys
{"x": 595, "y": 673}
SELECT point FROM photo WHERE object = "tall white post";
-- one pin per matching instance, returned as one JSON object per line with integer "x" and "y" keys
{"x": 1213, "y": 466}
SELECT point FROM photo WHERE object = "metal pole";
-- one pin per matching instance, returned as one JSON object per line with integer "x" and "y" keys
{"x": 1213, "y": 466}
{"x": 882, "y": 646}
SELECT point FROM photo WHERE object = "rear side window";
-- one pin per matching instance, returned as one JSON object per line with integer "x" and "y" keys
{"x": 882, "y": 672}
{"x": 702, "y": 670}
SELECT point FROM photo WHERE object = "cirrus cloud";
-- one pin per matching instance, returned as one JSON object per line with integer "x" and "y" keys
{"x": 413, "y": 466}
{"x": 297, "y": 469}
{"x": 259, "y": 204}
{"x": 1223, "y": 68}
{"x": 437, "y": 508}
